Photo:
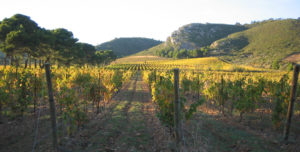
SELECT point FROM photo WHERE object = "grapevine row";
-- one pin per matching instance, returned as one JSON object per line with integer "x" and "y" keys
{"x": 76, "y": 91}
{"x": 229, "y": 92}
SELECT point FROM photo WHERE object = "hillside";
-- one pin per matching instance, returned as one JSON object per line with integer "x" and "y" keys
{"x": 261, "y": 45}
{"x": 155, "y": 49}
{"x": 198, "y": 35}
{"x": 194, "y": 36}
{"x": 127, "y": 46}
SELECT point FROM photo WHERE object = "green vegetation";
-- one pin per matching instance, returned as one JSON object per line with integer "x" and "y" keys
{"x": 84, "y": 94}
{"x": 163, "y": 96}
{"x": 266, "y": 44}
{"x": 192, "y": 40}
{"x": 200, "y": 35}
{"x": 228, "y": 137}
{"x": 197, "y": 64}
{"x": 183, "y": 53}
{"x": 259, "y": 44}
{"x": 22, "y": 39}
{"x": 152, "y": 51}
{"x": 127, "y": 46}
{"x": 75, "y": 89}
{"x": 275, "y": 65}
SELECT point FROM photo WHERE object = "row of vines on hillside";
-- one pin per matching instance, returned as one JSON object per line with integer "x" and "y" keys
{"x": 162, "y": 90}
{"x": 227, "y": 91}
{"x": 77, "y": 92}
{"x": 153, "y": 66}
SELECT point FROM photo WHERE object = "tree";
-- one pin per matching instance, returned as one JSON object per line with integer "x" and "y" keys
{"x": 175, "y": 54}
{"x": 103, "y": 56}
{"x": 238, "y": 24}
{"x": 182, "y": 53}
{"x": 204, "y": 50}
{"x": 193, "y": 53}
{"x": 83, "y": 53}
{"x": 45, "y": 49}
{"x": 18, "y": 35}
{"x": 170, "y": 54}
{"x": 63, "y": 45}
{"x": 22, "y": 37}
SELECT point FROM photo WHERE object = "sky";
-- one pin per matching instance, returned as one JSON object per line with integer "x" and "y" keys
{"x": 98, "y": 21}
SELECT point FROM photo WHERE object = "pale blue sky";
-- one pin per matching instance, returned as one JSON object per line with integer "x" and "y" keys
{"x": 97, "y": 21}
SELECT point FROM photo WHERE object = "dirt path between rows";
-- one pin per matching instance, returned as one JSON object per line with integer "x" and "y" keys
{"x": 129, "y": 124}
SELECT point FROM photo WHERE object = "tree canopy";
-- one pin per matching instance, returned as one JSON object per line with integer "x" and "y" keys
{"x": 22, "y": 38}
{"x": 182, "y": 53}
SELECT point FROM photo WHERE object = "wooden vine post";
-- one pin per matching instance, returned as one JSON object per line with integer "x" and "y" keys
{"x": 222, "y": 96}
{"x": 98, "y": 100}
{"x": 177, "y": 121}
{"x": 198, "y": 91}
{"x": 154, "y": 76}
{"x": 293, "y": 97}
{"x": 52, "y": 104}
{"x": 34, "y": 93}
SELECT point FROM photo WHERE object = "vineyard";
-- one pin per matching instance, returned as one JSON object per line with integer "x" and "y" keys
{"x": 228, "y": 92}
{"x": 256, "y": 98}
{"x": 118, "y": 107}
{"x": 196, "y": 64}
{"x": 78, "y": 92}
{"x": 79, "y": 76}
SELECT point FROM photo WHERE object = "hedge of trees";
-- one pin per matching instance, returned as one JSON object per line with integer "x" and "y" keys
{"x": 22, "y": 40}
{"x": 183, "y": 53}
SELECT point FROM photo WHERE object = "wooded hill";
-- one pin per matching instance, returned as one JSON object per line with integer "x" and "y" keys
{"x": 192, "y": 36}
{"x": 128, "y": 46}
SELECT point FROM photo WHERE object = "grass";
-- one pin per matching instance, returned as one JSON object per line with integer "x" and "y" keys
{"x": 152, "y": 51}
{"x": 125, "y": 128}
{"x": 261, "y": 45}
{"x": 225, "y": 137}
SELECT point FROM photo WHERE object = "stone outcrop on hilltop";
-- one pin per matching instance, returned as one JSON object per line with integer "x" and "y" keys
{"x": 197, "y": 35}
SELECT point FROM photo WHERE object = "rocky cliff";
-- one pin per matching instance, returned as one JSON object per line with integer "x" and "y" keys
{"x": 197, "y": 35}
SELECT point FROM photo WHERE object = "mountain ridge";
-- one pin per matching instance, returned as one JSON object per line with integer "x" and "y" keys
{"x": 258, "y": 44}
{"x": 127, "y": 45}
{"x": 194, "y": 36}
